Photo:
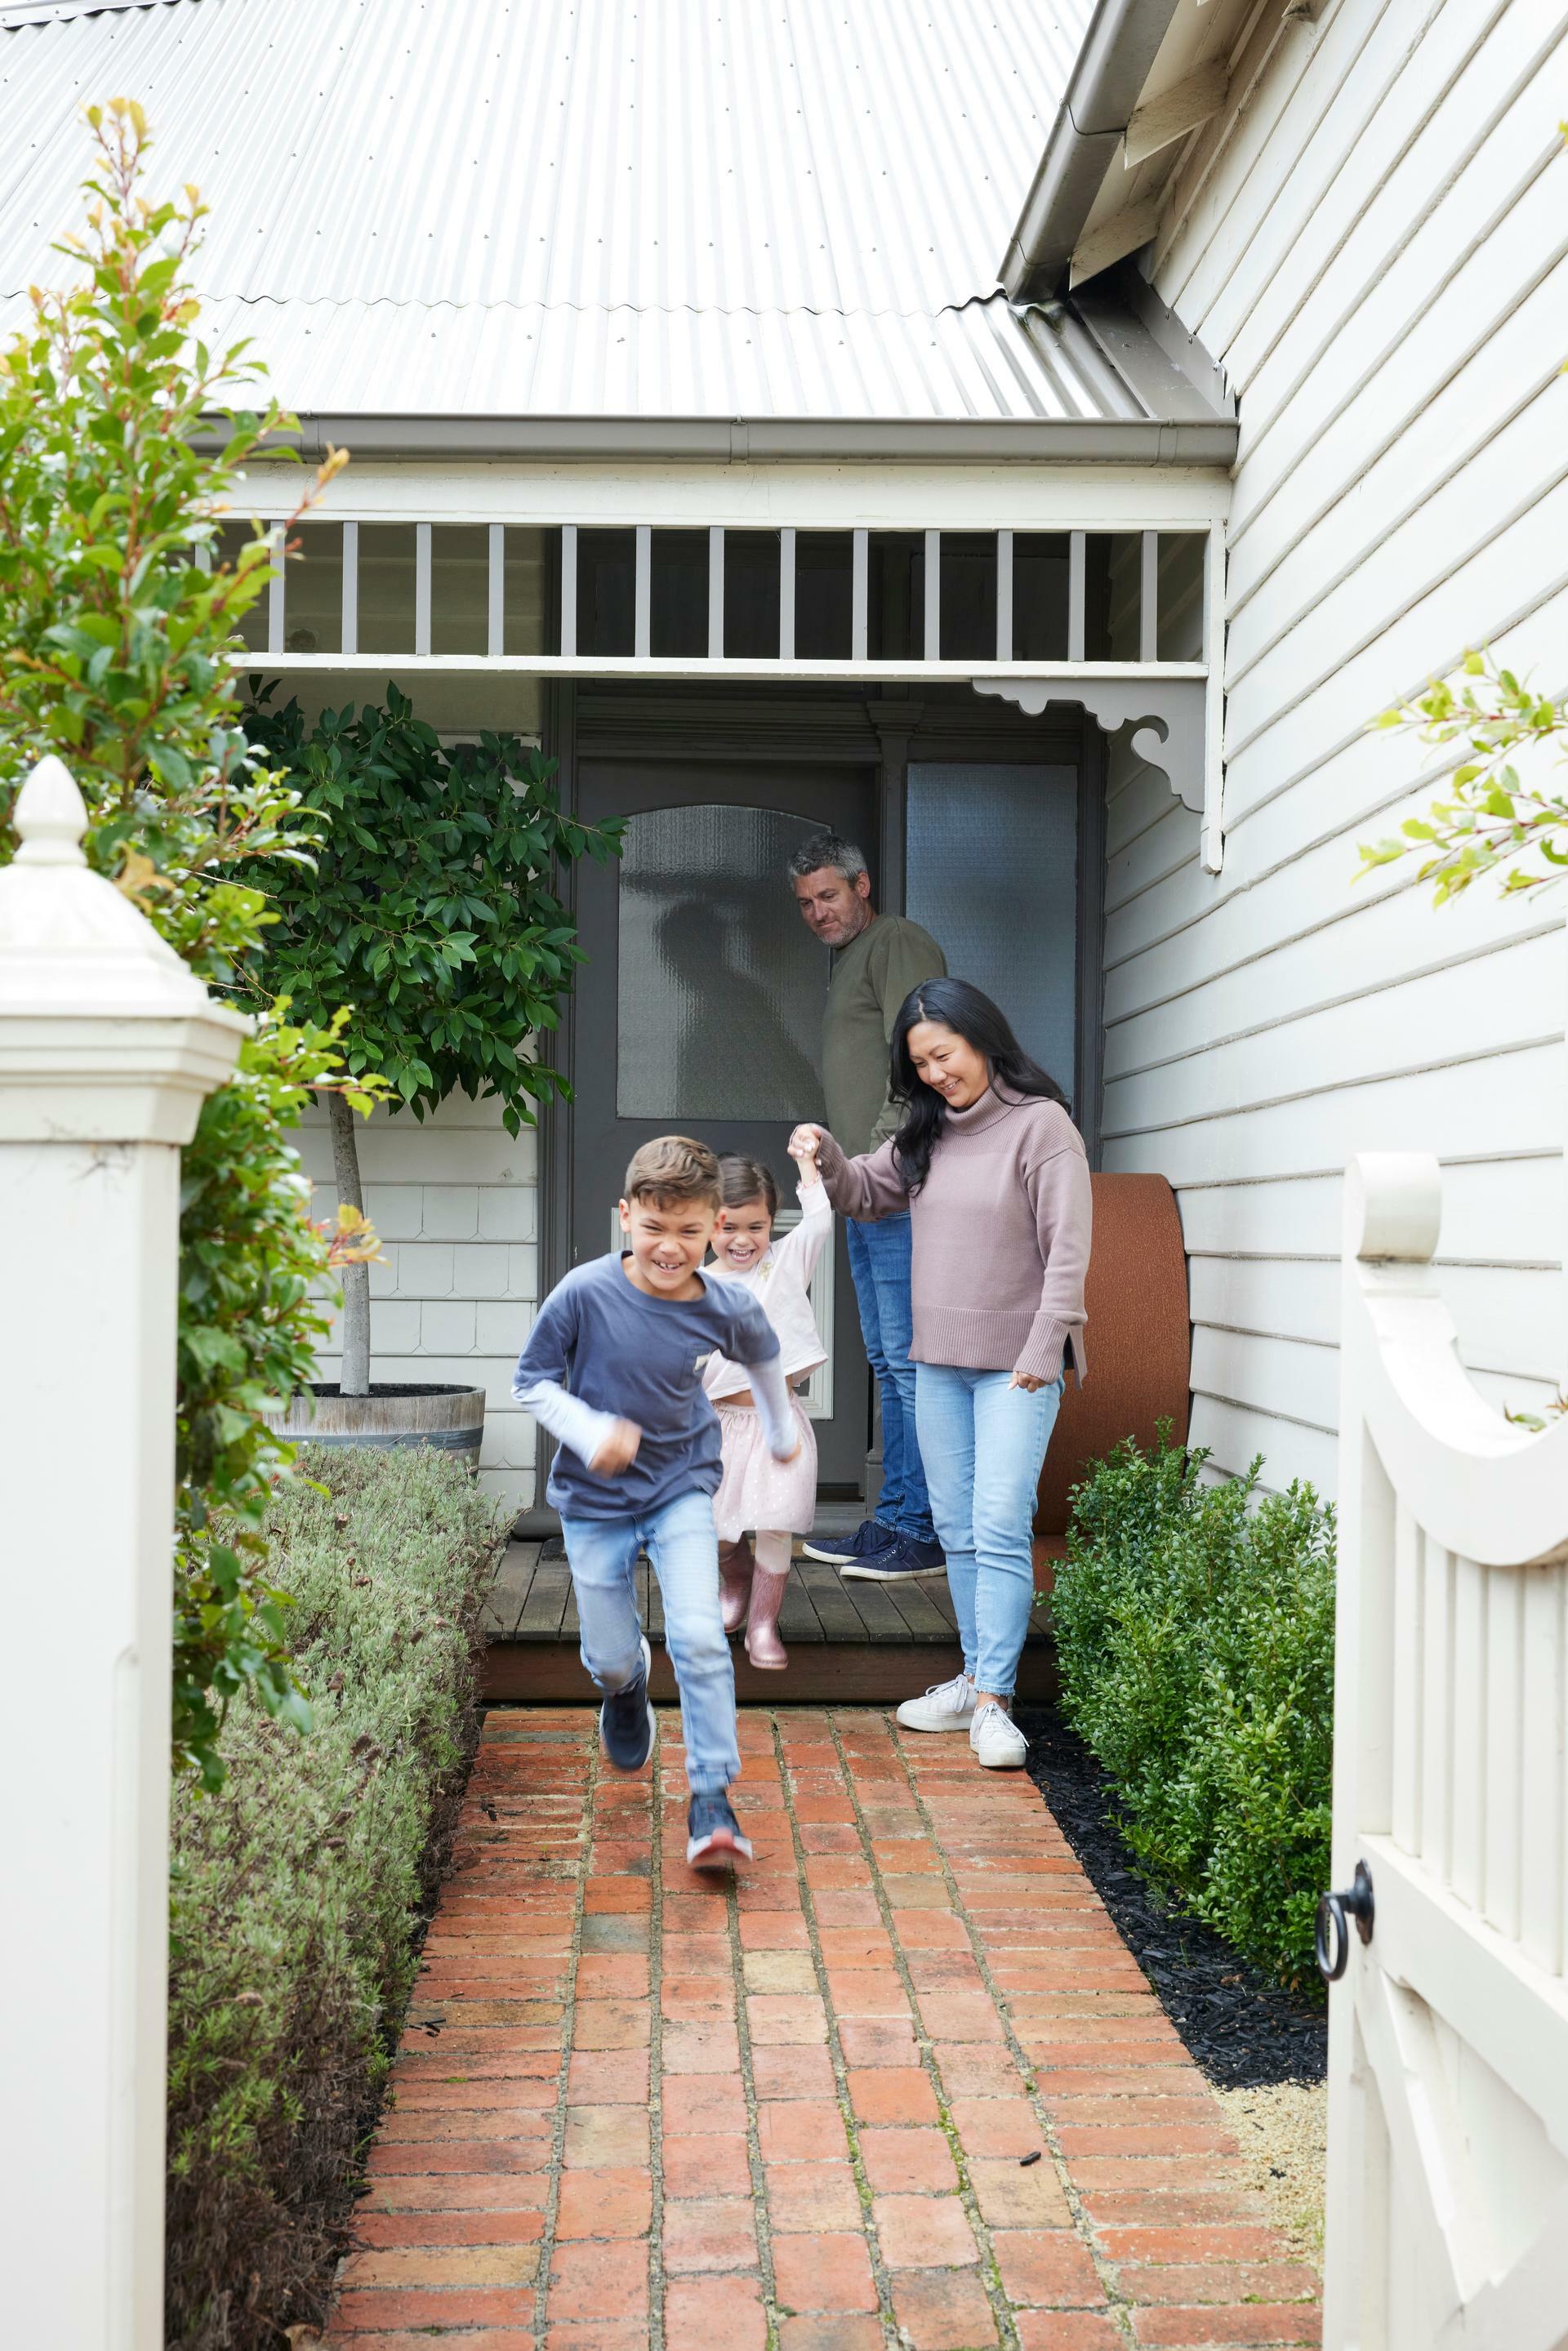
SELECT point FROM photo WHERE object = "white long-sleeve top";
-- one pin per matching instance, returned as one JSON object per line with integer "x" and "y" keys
{"x": 781, "y": 1286}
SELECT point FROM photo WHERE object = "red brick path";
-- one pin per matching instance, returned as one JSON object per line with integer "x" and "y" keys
{"x": 661, "y": 2111}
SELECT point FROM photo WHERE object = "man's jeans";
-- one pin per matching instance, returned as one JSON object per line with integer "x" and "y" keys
{"x": 984, "y": 1442}
{"x": 679, "y": 1541}
{"x": 879, "y": 1262}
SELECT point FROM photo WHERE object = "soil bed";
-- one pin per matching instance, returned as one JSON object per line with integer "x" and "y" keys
{"x": 1241, "y": 2027}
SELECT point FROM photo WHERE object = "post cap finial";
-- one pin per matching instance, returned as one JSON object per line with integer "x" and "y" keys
{"x": 50, "y": 816}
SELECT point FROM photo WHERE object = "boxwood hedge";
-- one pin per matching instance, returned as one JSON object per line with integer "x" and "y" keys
{"x": 300, "y": 1891}
{"x": 1193, "y": 1628}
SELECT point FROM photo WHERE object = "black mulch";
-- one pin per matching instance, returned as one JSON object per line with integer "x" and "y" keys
{"x": 1240, "y": 2027}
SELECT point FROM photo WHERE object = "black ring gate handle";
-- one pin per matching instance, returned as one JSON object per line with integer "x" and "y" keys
{"x": 1331, "y": 1933}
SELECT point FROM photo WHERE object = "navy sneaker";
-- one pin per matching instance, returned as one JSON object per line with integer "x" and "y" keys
{"x": 903, "y": 1560}
{"x": 626, "y": 1721}
{"x": 713, "y": 1833}
{"x": 842, "y": 1551}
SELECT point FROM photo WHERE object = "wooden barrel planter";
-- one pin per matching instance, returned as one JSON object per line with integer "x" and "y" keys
{"x": 1140, "y": 1348}
{"x": 394, "y": 1413}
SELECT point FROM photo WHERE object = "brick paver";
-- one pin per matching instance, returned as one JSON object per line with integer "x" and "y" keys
{"x": 636, "y": 2107}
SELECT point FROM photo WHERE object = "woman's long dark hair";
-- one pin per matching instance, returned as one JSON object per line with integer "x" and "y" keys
{"x": 957, "y": 1005}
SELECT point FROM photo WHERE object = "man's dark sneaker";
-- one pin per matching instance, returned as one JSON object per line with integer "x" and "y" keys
{"x": 626, "y": 1721}
{"x": 903, "y": 1560}
{"x": 841, "y": 1550}
{"x": 713, "y": 1833}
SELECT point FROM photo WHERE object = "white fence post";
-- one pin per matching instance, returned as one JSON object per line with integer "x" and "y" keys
{"x": 107, "y": 1047}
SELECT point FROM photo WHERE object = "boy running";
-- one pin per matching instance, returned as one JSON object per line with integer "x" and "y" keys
{"x": 613, "y": 1369}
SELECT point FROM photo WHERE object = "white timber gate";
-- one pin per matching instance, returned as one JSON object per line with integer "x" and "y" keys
{"x": 1447, "y": 2183}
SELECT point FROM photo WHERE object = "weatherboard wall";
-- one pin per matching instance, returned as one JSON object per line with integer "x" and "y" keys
{"x": 1373, "y": 240}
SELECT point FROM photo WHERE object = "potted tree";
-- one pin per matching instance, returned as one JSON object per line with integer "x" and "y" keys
{"x": 430, "y": 907}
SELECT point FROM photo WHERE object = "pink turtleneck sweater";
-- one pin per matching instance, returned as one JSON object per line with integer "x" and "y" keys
{"x": 1000, "y": 1230}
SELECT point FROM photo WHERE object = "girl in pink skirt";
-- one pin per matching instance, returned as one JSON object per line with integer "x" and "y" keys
{"x": 762, "y": 1504}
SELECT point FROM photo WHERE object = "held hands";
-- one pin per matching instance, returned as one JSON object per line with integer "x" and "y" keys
{"x": 804, "y": 1145}
{"x": 618, "y": 1451}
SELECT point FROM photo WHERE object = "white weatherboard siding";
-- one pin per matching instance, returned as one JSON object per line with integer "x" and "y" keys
{"x": 1373, "y": 240}
{"x": 455, "y": 1201}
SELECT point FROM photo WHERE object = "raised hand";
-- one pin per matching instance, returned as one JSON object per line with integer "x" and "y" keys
{"x": 805, "y": 1143}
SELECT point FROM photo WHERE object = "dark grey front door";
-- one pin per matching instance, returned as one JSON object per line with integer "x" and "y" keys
{"x": 699, "y": 1010}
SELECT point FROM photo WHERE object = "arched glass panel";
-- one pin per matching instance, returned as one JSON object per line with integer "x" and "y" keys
{"x": 720, "y": 985}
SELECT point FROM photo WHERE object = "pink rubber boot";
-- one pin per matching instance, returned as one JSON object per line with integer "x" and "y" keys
{"x": 772, "y": 1575}
{"x": 735, "y": 1577}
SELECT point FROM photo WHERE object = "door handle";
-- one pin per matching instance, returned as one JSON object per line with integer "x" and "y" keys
{"x": 1330, "y": 1936}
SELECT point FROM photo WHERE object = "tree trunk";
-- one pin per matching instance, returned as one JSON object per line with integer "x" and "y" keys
{"x": 355, "y": 1379}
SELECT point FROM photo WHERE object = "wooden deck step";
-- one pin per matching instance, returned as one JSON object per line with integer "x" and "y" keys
{"x": 849, "y": 1641}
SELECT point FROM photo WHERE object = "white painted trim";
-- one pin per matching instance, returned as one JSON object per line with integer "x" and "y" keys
{"x": 642, "y": 593}
{"x": 1174, "y": 112}
{"x": 786, "y": 593}
{"x": 1113, "y": 240}
{"x": 1077, "y": 555}
{"x": 715, "y": 591}
{"x": 350, "y": 620}
{"x": 276, "y": 621}
{"x": 933, "y": 631}
{"x": 1153, "y": 497}
{"x": 1212, "y": 838}
{"x": 568, "y": 591}
{"x": 497, "y": 585}
{"x": 421, "y": 569}
{"x": 1072, "y": 675}
{"x": 1004, "y": 595}
{"x": 859, "y": 594}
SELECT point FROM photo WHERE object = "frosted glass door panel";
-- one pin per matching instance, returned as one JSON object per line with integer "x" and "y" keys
{"x": 720, "y": 985}
{"x": 992, "y": 874}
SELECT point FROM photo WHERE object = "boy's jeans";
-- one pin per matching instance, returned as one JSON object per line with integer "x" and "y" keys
{"x": 679, "y": 1541}
{"x": 879, "y": 1262}
{"x": 984, "y": 1441}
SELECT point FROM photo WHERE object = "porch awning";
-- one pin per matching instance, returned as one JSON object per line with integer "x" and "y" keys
{"x": 1122, "y": 622}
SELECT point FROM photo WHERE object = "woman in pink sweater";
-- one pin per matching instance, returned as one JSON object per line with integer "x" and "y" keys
{"x": 994, "y": 1175}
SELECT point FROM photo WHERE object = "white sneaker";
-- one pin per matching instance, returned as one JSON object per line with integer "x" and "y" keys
{"x": 946, "y": 1706}
{"x": 996, "y": 1740}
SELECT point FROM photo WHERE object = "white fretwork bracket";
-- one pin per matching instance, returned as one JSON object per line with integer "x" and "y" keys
{"x": 1171, "y": 721}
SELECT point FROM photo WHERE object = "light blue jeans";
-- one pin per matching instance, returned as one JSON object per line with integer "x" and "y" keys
{"x": 880, "y": 1256}
{"x": 680, "y": 1542}
{"x": 983, "y": 1442}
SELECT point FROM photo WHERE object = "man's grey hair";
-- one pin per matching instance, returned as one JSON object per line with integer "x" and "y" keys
{"x": 820, "y": 849}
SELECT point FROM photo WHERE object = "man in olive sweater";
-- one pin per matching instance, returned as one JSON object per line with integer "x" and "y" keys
{"x": 877, "y": 960}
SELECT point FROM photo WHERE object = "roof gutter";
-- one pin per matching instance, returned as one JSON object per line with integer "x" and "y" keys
{"x": 1119, "y": 49}
{"x": 726, "y": 441}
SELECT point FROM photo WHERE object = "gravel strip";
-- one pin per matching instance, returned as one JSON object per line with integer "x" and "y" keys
{"x": 1282, "y": 2134}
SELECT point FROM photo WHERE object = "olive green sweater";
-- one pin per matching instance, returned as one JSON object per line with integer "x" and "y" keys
{"x": 872, "y": 977}
{"x": 1001, "y": 1231}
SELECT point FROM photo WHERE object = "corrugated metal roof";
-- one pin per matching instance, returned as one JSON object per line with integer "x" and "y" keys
{"x": 783, "y": 208}
{"x": 983, "y": 361}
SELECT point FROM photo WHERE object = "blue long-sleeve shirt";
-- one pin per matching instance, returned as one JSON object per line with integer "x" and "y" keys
{"x": 602, "y": 1350}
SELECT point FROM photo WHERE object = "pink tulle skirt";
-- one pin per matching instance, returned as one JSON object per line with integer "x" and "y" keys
{"x": 756, "y": 1490}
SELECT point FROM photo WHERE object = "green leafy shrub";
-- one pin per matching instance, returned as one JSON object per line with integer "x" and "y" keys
{"x": 115, "y": 653}
{"x": 431, "y": 907}
{"x": 1195, "y": 1632}
{"x": 297, "y": 1889}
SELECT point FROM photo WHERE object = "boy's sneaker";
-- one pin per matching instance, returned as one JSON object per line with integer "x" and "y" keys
{"x": 626, "y": 1723}
{"x": 946, "y": 1706}
{"x": 995, "y": 1741}
{"x": 839, "y": 1550}
{"x": 903, "y": 1560}
{"x": 713, "y": 1833}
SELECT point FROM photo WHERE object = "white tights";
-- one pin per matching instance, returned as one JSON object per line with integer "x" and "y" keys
{"x": 772, "y": 1551}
